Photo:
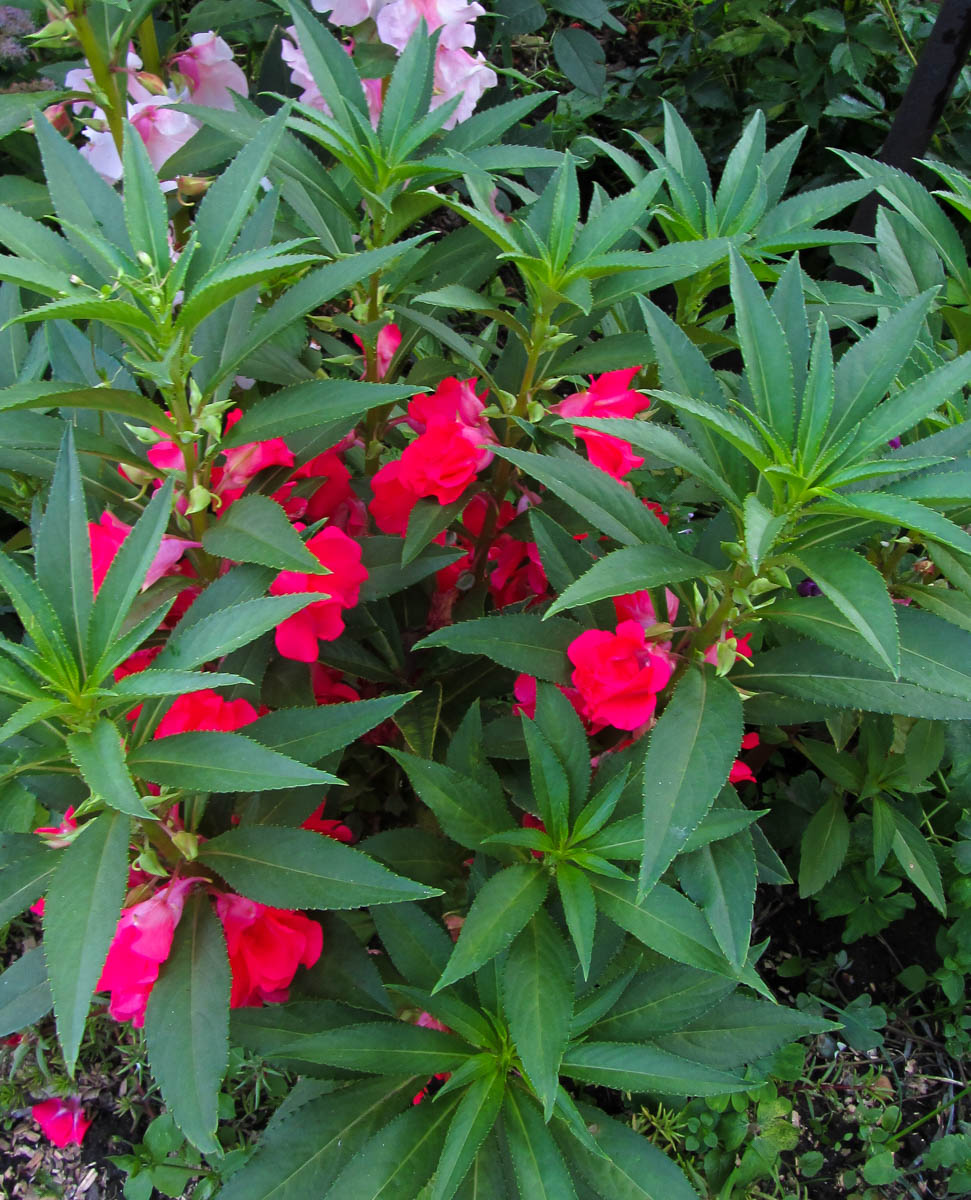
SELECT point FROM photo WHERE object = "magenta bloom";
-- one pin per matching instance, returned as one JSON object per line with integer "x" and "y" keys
{"x": 62, "y": 1119}
{"x": 141, "y": 944}
{"x": 266, "y": 945}
{"x": 297, "y": 636}
{"x": 205, "y": 709}
{"x": 618, "y": 675}
{"x": 608, "y": 396}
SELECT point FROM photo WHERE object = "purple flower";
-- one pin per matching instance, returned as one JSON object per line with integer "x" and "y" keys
{"x": 809, "y": 587}
{"x": 895, "y": 443}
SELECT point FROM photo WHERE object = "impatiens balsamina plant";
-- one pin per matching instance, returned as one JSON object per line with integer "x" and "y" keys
{"x": 466, "y": 521}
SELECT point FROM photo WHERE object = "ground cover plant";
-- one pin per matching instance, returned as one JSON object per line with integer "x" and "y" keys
{"x": 450, "y": 566}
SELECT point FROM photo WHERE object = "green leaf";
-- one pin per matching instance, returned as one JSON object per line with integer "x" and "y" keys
{"x": 318, "y": 402}
{"x": 579, "y": 909}
{"x": 386, "y": 573}
{"x": 557, "y": 720}
{"x": 629, "y": 570}
{"x": 418, "y": 946}
{"x": 912, "y": 850}
{"x": 332, "y": 69}
{"x": 297, "y": 868}
{"x": 145, "y": 215}
{"x": 538, "y": 1000}
{"x": 310, "y": 734}
{"x": 220, "y": 762}
{"x": 690, "y": 754}
{"x": 631, "y": 1067}
{"x": 408, "y": 92}
{"x": 500, "y": 910}
{"x": 609, "y": 506}
{"x": 25, "y": 994}
{"x": 428, "y": 519}
{"x": 859, "y": 591}
{"x": 80, "y": 918}
{"x": 171, "y": 683}
{"x": 220, "y": 215}
{"x": 256, "y": 529}
{"x": 741, "y": 177}
{"x": 126, "y": 575}
{"x": 187, "y": 1023}
{"x": 629, "y": 1166}
{"x": 27, "y": 868}
{"x": 301, "y": 1155}
{"x": 818, "y": 396}
{"x": 99, "y": 754}
{"x": 253, "y": 268}
{"x": 824, "y": 845}
{"x": 663, "y": 999}
{"x": 399, "y": 1159}
{"x": 720, "y": 879}
{"x": 551, "y": 789}
{"x": 741, "y": 1029}
{"x": 523, "y": 642}
{"x": 474, "y": 1118}
{"x": 761, "y": 530}
{"x": 540, "y": 1171}
{"x": 663, "y": 920}
{"x": 63, "y": 550}
{"x": 380, "y": 1048}
{"x": 580, "y": 57}
{"x": 467, "y": 809}
{"x": 208, "y": 637}
{"x": 768, "y": 364}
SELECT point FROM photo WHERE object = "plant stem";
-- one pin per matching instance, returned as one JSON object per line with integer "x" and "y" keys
{"x": 902, "y": 1133}
{"x": 101, "y": 70}
{"x": 148, "y": 44}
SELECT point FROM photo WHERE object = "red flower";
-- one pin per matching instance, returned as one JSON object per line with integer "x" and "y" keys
{"x": 618, "y": 675}
{"x": 393, "y": 501}
{"x": 243, "y": 462}
{"x": 317, "y": 823}
{"x": 742, "y": 772}
{"x": 443, "y": 461}
{"x": 389, "y": 339}
{"x": 297, "y": 636}
{"x": 106, "y": 536}
{"x": 57, "y": 836}
{"x": 452, "y": 401}
{"x": 607, "y": 396}
{"x": 329, "y": 686}
{"x": 266, "y": 945}
{"x": 141, "y": 944}
{"x": 62, "y": 1119}
{"x": 205, "y": 709}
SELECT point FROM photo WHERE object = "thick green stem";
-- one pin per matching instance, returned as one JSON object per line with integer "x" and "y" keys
{"x": 103, "y": 76}
{"x": 148, "y": 45}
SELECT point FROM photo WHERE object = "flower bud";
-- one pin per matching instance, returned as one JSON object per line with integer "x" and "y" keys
{"x": 151, "y": 83}
{"x": 188, "y": 843}
{"x": 144, "y": 258}
{"x": 191, "y": 186}
{"x": 58, "y": 116}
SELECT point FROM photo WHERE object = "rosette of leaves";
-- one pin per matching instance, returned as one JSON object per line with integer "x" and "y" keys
{"x": 560, "y": 980}
{"x": 65, "y": 737}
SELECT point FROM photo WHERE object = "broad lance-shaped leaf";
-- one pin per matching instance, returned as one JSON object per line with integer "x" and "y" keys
{"x": 638, "y": 1068}
{"x": 768, "y": 364}
{"x": 660, "y": 1000}
{"x": 25, "y": 994}
{"x": 24, "y": 875}
{"x": 219, "y": 633}
{"x": 417, "y": 945}
{"x": 62, "y": 552}
{"x": 720, "y": 879}
{"x": 690, "y": 754}
{"x": 629, "y": 570}
{"x": 296, "y": 868}
{"x": 824, "y": 845}
{"x": 628, "y": 1167}
{"x": 100, "y": 757}
{"x": 300, "y": 1156}
{"x": 220, "y": 762}
{"x": 538, "y": 999}
{"x": 914, "y": 853}
{"x": 311, "y": 404}
{"x": 400, "y": 1158}
{"x": 523, "y": 642}
{"x": 81, "y": 914}
{"x": 145, "y": 214}
{"x": 859, "y": 591}
{"x": 310, "y": 734}
{"x": 474, "y": 1118}
{"x": 500, "y": 910}
{"x": 256, "y": 529}
{"x": 187, "y": 1023}
{"x": 467, "y": 809}
{"x": 540, "y": 1170}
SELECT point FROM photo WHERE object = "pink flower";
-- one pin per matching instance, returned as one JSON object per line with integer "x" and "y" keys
{"x": 205, "y": 709}
{"x": 58, "y": 836}
{"x": 398, "y": 20}
{"x": 297, "y": 636}
{"x": 106, "y": 536}
{"x": 393, "y": 501}
{"x": 141, "y": 944}
{"x": 742, "y": 772}
{"x": 62, "y": 1120}
{"x": 348, "y": 12}
{"x": 618, "y": 675}
{"x": 329, "y": 827}
{"x": 607, "y": 396}
{"x": 389, "y": 338}
{"x": 266, "y": 945}
{"x": 242, "y": 463}
{"x": 443, "y": 462}
{"x": 162, "y": 129}
{"x": 212, "y": 74}
{"x": 637, "y": 606}
{"x": 292, "y": 54}
{"x": 459, "y": 73}
{"x": 329, "y": 686}
{"x": 524, "y": 689}
{"x": 454, "y": 400}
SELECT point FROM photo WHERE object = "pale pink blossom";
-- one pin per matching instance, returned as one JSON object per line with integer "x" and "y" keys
{"x": 212, "y": 74}
{"x": 348, "y": 12}
{"x": 294, "y": 57}
{"x": 400, "y": 19}
{"x": 459, "y": 73}
{"x": 162, "y": 129}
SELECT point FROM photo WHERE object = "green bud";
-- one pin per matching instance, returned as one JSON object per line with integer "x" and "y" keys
{"x": 144, "y": 258}
{"x": 733, "y": 550}
{"x": 778, "y": 576}
{"x": 199, "y": 499}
